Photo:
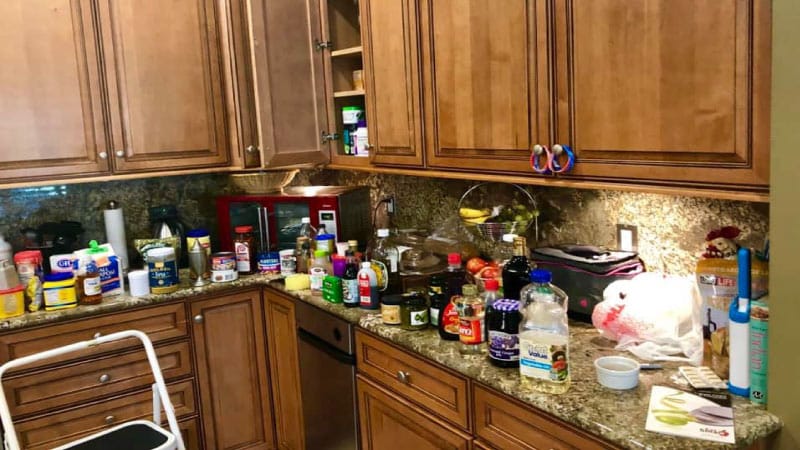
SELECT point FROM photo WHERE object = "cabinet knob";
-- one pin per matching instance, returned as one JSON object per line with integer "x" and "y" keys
{"x": 105, "y": 378}
{"x": 110, "y": 419}
{"x": 120, "y": 153}
{"x": 198, "y": 318}
{"x": 103, "y": 155}
{"x": 403, "y": 377}
{"x": 251, "y": 149}
{"x": 97, "y": 335}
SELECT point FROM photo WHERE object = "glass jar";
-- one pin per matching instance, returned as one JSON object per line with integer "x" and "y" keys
{"x": 413, "y": 312}
{"x": 502, "y": 325}
{"x": 244, "y": 245}
{"x": 390, "y": 309}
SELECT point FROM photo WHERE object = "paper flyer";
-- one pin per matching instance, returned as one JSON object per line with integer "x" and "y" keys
{"x": 680, "y": 413}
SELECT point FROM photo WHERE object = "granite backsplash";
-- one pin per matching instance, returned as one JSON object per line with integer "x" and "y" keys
{"x": 671, "y": 229}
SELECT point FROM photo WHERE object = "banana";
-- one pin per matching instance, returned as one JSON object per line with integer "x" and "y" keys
{"x": 477, "y": 220}
{"x": 470, "y": 213}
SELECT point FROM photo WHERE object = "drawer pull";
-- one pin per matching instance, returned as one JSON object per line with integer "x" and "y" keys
{"x": 403, "y": 377}
{"x": 105, "y": 378}
{"x": 110, "y": 419}
{"x": 198, "y": 318}
{"x": 97, "y": 335}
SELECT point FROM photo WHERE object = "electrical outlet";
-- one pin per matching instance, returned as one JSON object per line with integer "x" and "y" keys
{"x": 390, "y": 205}
{"x": 627, "y": 237}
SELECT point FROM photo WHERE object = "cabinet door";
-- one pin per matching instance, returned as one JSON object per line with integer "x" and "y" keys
{"x": 165, "y": 84}
{"x": 485, "y": 83}
{"x": 387, "y": 421}
{"x": 391, "y": 70}
{"x": 50, "y": 96}
{"x": 666, "y": 90}
{"x": 285, "y": 370}
{"x": 231, "y": 360}
{"x": 290, "y": 83}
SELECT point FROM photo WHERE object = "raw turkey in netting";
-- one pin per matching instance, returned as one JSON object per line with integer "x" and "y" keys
{"x": 655, "y": 317}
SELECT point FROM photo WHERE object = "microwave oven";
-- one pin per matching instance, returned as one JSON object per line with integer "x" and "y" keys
{"x": 276, "y": 218}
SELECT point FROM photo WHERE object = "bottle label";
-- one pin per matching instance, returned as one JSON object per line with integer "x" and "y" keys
{"x": 242, "y": 251}
{"x": 503, "y": 346}
{"x": 316, "y": 275}
{"x": 393, "y": 262}
{"x": 381, "y": 274}
{"x": 364, "y": 291}
{"x": 91, "y": 286}
{"x": 434, "y": 316}
{"x": 543, "y": 361}
{"x": 449, "y": 319}
{"x": 470, "y": 330}
{"x": 418, "y": 318}
{"x": 350, "y": 291}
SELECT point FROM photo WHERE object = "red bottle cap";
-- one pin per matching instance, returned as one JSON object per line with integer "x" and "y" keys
{"x": 243, "y": 229}
{"x": 454, "y": 258}
{"x": 491, "y": 284}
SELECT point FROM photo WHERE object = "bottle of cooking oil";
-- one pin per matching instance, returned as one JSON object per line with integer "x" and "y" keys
{"x": 544, "y": 335}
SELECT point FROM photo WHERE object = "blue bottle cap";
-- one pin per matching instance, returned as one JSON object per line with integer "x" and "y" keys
{"x": 58, "y": 276}
{"x": 540, "y": 276}
{"x": 197, "y": 232}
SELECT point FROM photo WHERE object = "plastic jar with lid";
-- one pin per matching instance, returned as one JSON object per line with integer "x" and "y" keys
{"x": 244, "y": 246}
{"x": 59, "y": 291}
{"x": 162, "y": 270}
{"x": 414, "y": 312}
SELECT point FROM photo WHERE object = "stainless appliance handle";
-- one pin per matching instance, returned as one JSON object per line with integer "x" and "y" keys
{"x": 263, "y": 226}
{"x": 323, "y": 346}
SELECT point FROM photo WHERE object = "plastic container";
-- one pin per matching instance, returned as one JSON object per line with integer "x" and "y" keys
{"x": 59, "y": 291}
{"x": 544, "y": 335}
{"x": 471, "y": 322}
{"x": 244, "y": 245}
{"x": 325, "y": 242}
{"x": 288, "y": 262}
{"x": 199, "y": 234}
{"x": 368, "y": 295}
{"x": 318, "y": 271}
{"x": 617, "y": 372}
{"x": 307, "y": 230}
{"x": 5, "y": 250}
{"x": 386, "y": 254}
{"x": 12, "y": 302}
{"x": 350, "y": 295}
{"x": 162, "y": 267}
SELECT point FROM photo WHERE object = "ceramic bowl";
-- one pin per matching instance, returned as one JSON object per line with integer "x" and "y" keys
{"x": 617, "y": 372}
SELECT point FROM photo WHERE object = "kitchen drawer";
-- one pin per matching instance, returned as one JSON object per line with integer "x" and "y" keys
{"x": 159, "y": 323}
{"x": 84, "y": 381}
{"x": 510, "y": 425}
{"x": 190, "y": 430}
{"x": 52, "y": 430}
{"x": 432, "y": 387}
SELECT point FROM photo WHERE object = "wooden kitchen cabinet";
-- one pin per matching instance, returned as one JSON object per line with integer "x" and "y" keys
{"x": 165, "y": 86}
{"x": 485, "y": 83}
{"x": 289, "y": 77}
{"x": 52, "y": 107}
{"x": 231, "y": 356}
{"x": 388, "y": 421}
{"x": 285, "y": 370}
{"x": 665, "y": 90}
{"x": 390, "y": 33}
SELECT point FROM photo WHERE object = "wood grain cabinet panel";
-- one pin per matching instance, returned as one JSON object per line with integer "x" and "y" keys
{"x": 50, "y": 98}
{"x": 437, "y": 390}
{"x": 52, "y": 430}
{"x": 164, "y": 76}
{"x": 388, "y": 421}
{"x": 485, "y": 83}
{"x": 665, "y": 90}
{"x": 392, "y": 75}
{"x": 285, "y": 370}
{"x": 510, "y": 426}
{"x": 231, "y": 351}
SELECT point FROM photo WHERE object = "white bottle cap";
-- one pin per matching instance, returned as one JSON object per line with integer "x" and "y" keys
{"x": 366, "y": 265}
{"x": 305, "y": 220}
{"x": 383, "y": 232}
{"x": 509, "y": 238}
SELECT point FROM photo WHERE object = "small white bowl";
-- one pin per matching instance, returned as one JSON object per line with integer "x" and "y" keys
{"x": 617, "y": 372}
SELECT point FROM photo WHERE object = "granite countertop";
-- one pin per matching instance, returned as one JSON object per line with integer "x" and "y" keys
{"x": 617, "y": 416}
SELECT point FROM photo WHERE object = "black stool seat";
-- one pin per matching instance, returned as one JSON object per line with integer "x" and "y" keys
{"x": 134, "y": 436}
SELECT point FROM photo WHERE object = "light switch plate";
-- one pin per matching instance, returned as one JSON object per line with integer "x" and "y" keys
{"x": 627, "y": 237}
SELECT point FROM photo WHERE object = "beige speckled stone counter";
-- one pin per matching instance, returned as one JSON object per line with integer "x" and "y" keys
{"x": 617, "y": 416}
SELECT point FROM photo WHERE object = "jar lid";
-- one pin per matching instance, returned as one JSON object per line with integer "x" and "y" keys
{"x": 540, "y": 276}
{"x": 34, "y": 256}
{"x": 506, "y": 305}
{"x": 366, "y": 265}
{"x": 58, "y": 276}
{"x": 414, "y": 299}
{"x": 469, "y": 289}
{"x": 454, "y": 258}
{"x": 160, "y": 252}
{"x": 394, "y": 299}
{"x": 491, "y": 284}
{"x": 243, "y": 229}
{"x": 326, "y": 237}
{"x": 383, "y": 232}
{"x": 305, "y": 220}
{"x": 197, "y": 232}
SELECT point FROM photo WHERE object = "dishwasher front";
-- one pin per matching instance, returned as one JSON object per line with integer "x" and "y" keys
{"x": 326, "y": 352}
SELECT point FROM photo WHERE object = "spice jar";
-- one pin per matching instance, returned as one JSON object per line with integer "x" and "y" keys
{"x": 390, "y": 309}
{"x": 244, "y": 245}
{"x": 413, "y": 312}
{"x": 59, "y": 291}
{"x": 502, "y": 323}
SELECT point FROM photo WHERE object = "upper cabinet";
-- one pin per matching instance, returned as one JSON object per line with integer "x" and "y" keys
{"x": 289, "y": 78}
{"x": 486, "y": 83}
{"x": 392, "y": 72}
{"x": 50, "y": 98}
{"x": 164, "y": 76}
{"x": 664, "y": 90}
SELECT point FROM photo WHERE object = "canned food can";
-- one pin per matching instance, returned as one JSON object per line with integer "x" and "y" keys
{"x": 223, "y": 267}
{"x": 269, "y": 262}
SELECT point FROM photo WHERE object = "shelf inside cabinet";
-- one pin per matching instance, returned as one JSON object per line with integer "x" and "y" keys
{"x": 354, "y": 93}
{"x": 344, "y": 24}
{"x": 349, "y": 51}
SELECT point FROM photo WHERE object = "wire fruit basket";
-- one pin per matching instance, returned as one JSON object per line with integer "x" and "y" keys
{"x": 512, "y": 211}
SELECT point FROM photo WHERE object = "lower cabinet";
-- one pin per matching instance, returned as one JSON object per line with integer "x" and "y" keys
{"x": 231, "y": 355}
{"x": 285, "y": 370}
{"x": 388, "y": 421}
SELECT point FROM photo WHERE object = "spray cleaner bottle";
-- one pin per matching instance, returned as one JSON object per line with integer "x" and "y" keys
{"x": 739, "y": 314}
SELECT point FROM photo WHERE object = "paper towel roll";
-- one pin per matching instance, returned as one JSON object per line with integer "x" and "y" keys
{"x": 115, "y": 233}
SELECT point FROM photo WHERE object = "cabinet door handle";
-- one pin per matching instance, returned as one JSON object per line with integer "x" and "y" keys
{"x": 120, "y": 153}
{"x": 97, "y": 335}
{"x": 251, "y": 149}
{"x": 103, "y": 155}
{"x": 105, "y": 378}
{"x": 403, "y": 377}
{"x": 110, "y": 419}
{"x": 198, "y": 318}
